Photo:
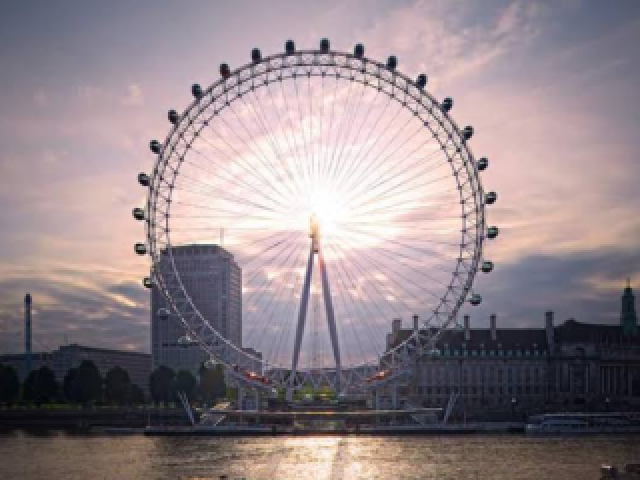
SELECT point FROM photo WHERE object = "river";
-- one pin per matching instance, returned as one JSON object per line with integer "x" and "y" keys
{"x": 57, "y": 455}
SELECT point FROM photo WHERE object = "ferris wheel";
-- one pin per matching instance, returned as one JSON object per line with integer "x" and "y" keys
{"x": 346, "y": 195}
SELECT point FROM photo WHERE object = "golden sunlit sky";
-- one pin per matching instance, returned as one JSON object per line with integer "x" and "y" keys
{"x": 550, "y": 88}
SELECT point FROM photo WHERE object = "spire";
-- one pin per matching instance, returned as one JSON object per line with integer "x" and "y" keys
{"x": 628, "y": 317}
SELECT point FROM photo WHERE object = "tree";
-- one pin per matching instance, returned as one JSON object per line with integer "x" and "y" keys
{"x": 117, "y": 386}
{"x": 67, "y": 385}
{"x": 87, "y": 383}
{"x": 9, "y": 384}
{"x": 161, "y": 383}
{"x": 40, "y": 386}
{"x": 184, "y": 382}
{"x": 137, "y": 395}
{"x": 212, "y": 385}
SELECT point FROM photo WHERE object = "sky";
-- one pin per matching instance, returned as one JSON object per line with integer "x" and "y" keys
{"x": 550, "y": 88}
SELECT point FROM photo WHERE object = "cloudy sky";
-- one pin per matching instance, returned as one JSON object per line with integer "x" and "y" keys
{"x": 550, "y": 87}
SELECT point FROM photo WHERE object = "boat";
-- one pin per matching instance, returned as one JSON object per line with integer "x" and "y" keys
{"x": 584, "y": 423}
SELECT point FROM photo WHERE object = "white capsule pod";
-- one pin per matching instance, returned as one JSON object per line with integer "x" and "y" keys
{"x": 256, "y": 55}
{"x": 392, "y": 63}
{"x": 482, "y": 164}
{"x": 358, "y": 51}
{"x": 490, "y": 198}
{"x": 467, "y": 132}
{"x": 421, "y": 81}
{"x": 140, "y": 248}
{"x": 210, "y": 363}
{"x": 144, "y": 180}
{"x": 225, "y": 71}
{"x": 290, "y": 47}
{"x": 163, "y": 312}
{"x": 155, "y": 146}
{"x": 173, "y": 117}
{"x": 138, "y": 213}
{"x": 185, "y": 340}
{"x": 147, "y": 282}
{"x": 487, "y": 267}
{"x": 324, "y": 45}
{"x": 475, "y": 299}
{"x": 492, "y": 232}
{"x": 196, "y": 91}
{"x": 447, "y": 104}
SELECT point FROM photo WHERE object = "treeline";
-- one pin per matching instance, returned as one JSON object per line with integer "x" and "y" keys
{"x": 84, "y": 385}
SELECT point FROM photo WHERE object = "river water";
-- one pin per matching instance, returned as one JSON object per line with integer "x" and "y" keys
{"x": 66, "y": 456}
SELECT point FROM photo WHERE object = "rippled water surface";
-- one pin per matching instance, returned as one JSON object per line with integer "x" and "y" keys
{"x": 64, "y": 456}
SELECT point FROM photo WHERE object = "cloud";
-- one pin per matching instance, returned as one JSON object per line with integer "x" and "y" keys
{"x": 134, "y": 97}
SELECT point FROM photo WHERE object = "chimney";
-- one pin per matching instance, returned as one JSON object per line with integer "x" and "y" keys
{"x": 548, "y": 316}
{"x": 467, "y": 330}
{"x": 27, "y": 333}
{"x": 396, "y": 325}
{"x": 416, "y": 323}
{"x": 494, "y": 332}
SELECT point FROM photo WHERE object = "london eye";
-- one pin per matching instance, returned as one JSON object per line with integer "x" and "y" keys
{"x": 348, "y": 197}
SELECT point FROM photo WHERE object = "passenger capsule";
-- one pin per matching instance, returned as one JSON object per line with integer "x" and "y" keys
{"x": 475, "y": 299}
{"x": 140, "y": 248}
{"x": 421, "y": 81}
{"x": 225, "y": 71}
{"x": 290, "y": 47}
{"x": 138, "y": 213}
{"x": 392, "y": 63}
{"x": 144, "y": 180}
{"x": 173, "y": 116}
{"x": 447, "y": 104}
{"x": 196, "y": 91}
{"x": 210, "y": 363}
{"x": 487, "y": 267}
{"x": 155, "y": 146}
{"x": 467, "y": 132}
{"x": 358, "y": 50}
{"x": 147, "y": 282}
{"x": 324, "y": 45}
{"x": 483, "y": 163}
{"x": 185, "y": 340}
{"x": 256, "y": 56}
{"x": 492, "y": 232}
{"x": 163, "y": 312}
{"x": 490, "y": 198}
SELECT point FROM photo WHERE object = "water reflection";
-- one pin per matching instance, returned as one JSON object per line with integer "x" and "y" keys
{"x": 322, "y": 457}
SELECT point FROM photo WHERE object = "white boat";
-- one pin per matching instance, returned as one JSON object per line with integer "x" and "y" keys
{"x": 584, "y": 423}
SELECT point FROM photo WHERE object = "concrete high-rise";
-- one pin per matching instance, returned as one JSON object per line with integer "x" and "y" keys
{"x": 213, "y": 280}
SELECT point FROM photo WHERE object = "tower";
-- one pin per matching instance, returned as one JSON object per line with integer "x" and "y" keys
{"x": 628, "y": 317}
{"x": 27, "y": 333}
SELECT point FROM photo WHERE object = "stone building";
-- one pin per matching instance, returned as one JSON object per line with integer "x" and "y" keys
{"x": 517, "y": 370}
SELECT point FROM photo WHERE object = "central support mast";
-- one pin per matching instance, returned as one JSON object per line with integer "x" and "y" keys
{"x": 316, "y": 248}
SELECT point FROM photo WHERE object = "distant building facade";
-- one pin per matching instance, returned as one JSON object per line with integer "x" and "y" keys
{"x": 137, "y": 364}
{"x": 573, "y": 365}
{"x": 213, "y": 280}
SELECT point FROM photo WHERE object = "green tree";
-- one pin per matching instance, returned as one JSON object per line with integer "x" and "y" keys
{"x": 185, "y": 382}
{"x": 67, "y": 385}
{"x": 40, "y": 386}
{"x": 137, "y": 395}
{"x": 9, "y": 384}
{"x": 87, "y": 383}
{"x": 117, "y": 386}
{"x": 161, "y": 384}
{"x": 212, "y": 386}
